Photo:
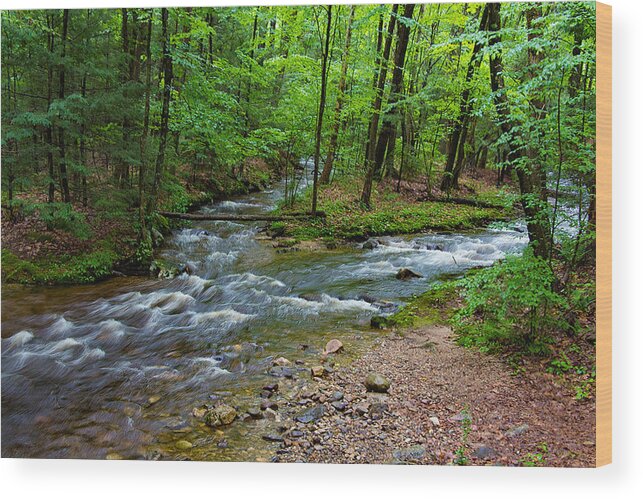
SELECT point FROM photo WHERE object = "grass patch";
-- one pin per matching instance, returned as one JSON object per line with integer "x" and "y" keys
{"x": 69, "y": 270}
{"x": 433, "y": 307}
{"x": 392, "y": 213}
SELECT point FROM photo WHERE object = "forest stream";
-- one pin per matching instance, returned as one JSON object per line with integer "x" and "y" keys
{"x": 114, "y": 369}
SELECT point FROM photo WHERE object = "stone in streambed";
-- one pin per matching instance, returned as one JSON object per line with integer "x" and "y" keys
{"x": 317, "y": 371}
{"x": 183, "y": 445}
{"x": 370, "y": 244}
{"x": 409, "y": 454}
{"x": 310, "y": 415}
{"x": 377, "y": 383}
{"x": 281, "y": 361}
{"x": 333, "y": 346}
{"x": 406, "y": 274}
{"x": 255, "y": 413}
{"x": 221, "y": 415}
{"x": 282, "y": 372}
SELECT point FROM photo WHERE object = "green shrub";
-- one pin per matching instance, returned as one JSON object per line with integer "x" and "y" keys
{"x": 62, "y": 216}
{"x": 510, "y": 304}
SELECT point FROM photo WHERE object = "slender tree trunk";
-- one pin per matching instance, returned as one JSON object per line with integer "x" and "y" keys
{"x": 386, "y": 142}
{"x": 62, "y": 165}
{"x": 166, "y": 64}
{"x": 146, "y": 128}
{"x": 459, "y": 132}
{"x": 341, "y": 89}
{"x": 322, "y": 106}
{"x": 529, "y": 185}
{"x": 49, "y": 139}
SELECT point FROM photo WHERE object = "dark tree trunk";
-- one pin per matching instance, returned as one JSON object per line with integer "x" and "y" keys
{"x": 529, "y": 182}
{"x": 386, "y": 142}
{"x": 49, "y": 138}
{"x": 166, "y": 64}
{"x": 332, "y": 146}
{"x": 377, "y": 106}
{"x": 322, "y": 106}
{"x": 459, "y": 133}
{"x": 62, "y": 165}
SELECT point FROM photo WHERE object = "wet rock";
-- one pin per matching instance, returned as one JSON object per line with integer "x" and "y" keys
{"x": 222, "y": 444}
{"x": 517, "y": 430}
{"x": 113, "y": 456}
{"x": 296, "y": 434}
{"x": 282, "y": 372}
{"x": 269, "y": 404}
{"x": 377, "y": 410}
{"x": 317, "y": 371}
{"x": 273, "y": 437}
{"x": 153, "y": 399}
{"x": 406, "y": 274}
{"x": 362, "y": 408}
{"x": 281, "y": 361}
{"x": 311, "y": 296}
{"x": 337, "y": 395}
{"x": 255, "y": 413}
{"x": 221, "y": 415}
{"x": 410, "y": 454}
{"x": 333, "y": 346}
{"x": 435, "y": 247}
{"x": 272, "y": 415}
{"x": 310, "y": 415}
{"x": 370, "y": 244}
{"x": 271, "y": 387}
{"x": 484, "y": 452}
{"x": 377, "y": 383}
{"x": 183, "y": 445}
{"x": 199, "y": 412}
{"x": 303, "y": 346}
{"x": 339, "y": 405}
{"x": 380, "y": 322}
{"x": 265, "y": 394}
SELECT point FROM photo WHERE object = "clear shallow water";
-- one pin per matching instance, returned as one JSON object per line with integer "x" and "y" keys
{"x": 116, "y": 367}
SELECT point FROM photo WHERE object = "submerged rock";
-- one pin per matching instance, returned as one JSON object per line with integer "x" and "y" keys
{"x": 221, "y": 415}
{"x": 405, "y": 274}
{"x": 317, "y": 371}
{"x": 183, "y": 445}
{"x": 377, "y": 383}
{"x": 281, "y": 361}
{"x": 370, "y": 244}
{"x": 282, "y": 372}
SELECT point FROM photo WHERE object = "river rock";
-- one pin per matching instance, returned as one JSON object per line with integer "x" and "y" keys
{"x": 310, "y": 415}
{"x": 221, "y": 415}
{"x": 377, "y": 383}
{"x": 269, "y": 404}
{"x": 434, "y": 421}
{"x": 255, "y": 413}
{"x": 406, "y": 274}
{"x": 317, "y": 371}
{"x": 282, "y": 372}
{"x": 338, "y": 405}
{"x": 333, "y": 346}
{"x": 183, "y": 445}
{"x": 281, "y": 361}
{"x": 273, "y": 437}
{"x": 370, "y": 244}
{"x": 380, "y": 322}
{"x": 271, "y": 387}
{"x": 410, "y": 454}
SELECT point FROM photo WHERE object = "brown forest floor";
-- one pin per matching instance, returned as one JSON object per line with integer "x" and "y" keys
{"x": 524, "y": 419}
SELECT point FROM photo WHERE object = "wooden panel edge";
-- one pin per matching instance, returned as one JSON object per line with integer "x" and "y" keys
{"x": 603, "y": 234}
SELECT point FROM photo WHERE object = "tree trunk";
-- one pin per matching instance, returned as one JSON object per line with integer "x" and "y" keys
{"x": 62, "y": 165}
{"x": 146, "y": 128}
{"x": 377, "y": 106}
{"x": 536, "y": 227}
{"x": 166, "y": 64}
{"x": 49, "y": 138}
{"x": 322, "y": 105}
{"x": 459, "y": 132}
{"x": 332, "y": 146}
{"x": 386, "y": 142}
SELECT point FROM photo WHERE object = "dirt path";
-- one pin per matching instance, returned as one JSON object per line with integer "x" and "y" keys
{"x": 438, "y": 390}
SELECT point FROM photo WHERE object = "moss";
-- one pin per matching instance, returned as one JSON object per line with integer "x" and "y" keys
{"x": 68, "y": 270}
{"x": 433, "y": 307}
{"x": 392, "y": 214}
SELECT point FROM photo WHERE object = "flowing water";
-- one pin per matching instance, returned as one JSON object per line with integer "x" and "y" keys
{"x": 115, "y": 368}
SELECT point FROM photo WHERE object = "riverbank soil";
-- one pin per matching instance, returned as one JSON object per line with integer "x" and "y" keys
{"x": 461, "y": 407}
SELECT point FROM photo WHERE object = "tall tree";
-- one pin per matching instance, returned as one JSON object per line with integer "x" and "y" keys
{"x": 322, "y": 104}
{"x": 341, "y": 89}
{"x": 62, "y": 162}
